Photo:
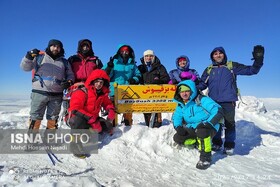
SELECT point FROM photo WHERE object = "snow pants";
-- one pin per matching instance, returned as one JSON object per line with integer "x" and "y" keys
{"x": 230, "y": 131}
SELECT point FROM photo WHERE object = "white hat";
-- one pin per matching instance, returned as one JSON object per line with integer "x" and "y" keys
{"x": 149, "y": 52}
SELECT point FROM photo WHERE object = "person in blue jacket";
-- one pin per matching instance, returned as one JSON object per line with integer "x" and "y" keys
{"x": 222, "y": 87}
{"x": 196, "y": 120}
{"x": 123, "y": 70}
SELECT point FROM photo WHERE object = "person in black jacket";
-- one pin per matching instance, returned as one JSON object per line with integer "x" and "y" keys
{"x": 153, "y": 72}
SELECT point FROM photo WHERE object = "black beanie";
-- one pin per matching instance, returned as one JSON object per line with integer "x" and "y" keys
{"x": 55, "y": 42}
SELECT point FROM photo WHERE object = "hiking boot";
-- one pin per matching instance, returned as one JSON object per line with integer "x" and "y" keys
{"x": 203, "y": 164}
{"x": 157, "y": 125}
{"x": 81, "y": 156}
{"x": 204, "y": 160}
{"x": 126, "y": 122}
{"x": 228, "y": 151}
{"x": 216, "y": 147}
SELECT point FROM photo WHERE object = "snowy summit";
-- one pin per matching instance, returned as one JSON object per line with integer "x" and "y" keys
{"x": 142, "y": 156}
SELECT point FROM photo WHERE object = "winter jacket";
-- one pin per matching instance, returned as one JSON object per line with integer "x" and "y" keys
{"x": 89, "y": 102}
{"x": 192, "y": 112}
{"x": 83, "y": 65}
{"x": 156, "y": 75}
{"x": 222, "y": 82}
{"x": 122, "y": 72}
{"x": 50, "y": 73}
{"x": 175, "y": 73}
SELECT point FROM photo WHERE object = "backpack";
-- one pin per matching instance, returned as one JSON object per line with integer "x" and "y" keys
{"x": 66, "y": 100}
{"x": 77, "y": 86}
{"x": 228, "y": 65}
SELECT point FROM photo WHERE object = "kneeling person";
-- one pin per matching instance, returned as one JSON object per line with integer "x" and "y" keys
{"x": 85, "y": 105}
{"x": 196, "y": 120}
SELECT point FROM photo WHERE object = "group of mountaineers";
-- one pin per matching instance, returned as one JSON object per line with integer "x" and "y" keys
{"x": 198, "y": 119}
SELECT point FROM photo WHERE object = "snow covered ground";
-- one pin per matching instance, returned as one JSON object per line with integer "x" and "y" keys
{"x": 139, "y": 156}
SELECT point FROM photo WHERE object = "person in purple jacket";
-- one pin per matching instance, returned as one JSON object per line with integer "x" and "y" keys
{"x": 222, "y": 88}
{"x": 183, "y": 71}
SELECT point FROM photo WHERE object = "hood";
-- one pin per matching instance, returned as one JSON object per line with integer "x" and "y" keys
{"x": 97, "y": 74}
{"x": 81, "y": 42}
{"x": 55, "y": 42}
{"x": 131, "y": 55}
{"x": 186, "y": 68}
{"x": 222, "y": 50}
{"x": 191, "y": 85}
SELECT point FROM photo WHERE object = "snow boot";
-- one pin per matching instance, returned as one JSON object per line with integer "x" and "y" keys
{"x": 81, "y": 156}
{"x": 204, "y": 160}
{"x": 127, "y": 119}
{"x": 228, "y": 151}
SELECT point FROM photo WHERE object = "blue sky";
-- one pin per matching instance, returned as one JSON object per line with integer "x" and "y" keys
{"x": 170, "y": 28}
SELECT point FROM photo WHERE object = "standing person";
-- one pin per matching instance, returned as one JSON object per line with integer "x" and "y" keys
{"x": 84, "y": 62}
{"x": 153, "y": 72}
{"x": 220, "y": 78}
{"x": 86, "y": 102}
{"x": 183, "y": 71}
{"x": 123, "y": 70}
{"x": 51, "y": 72}
{"x": 196, "y": 120}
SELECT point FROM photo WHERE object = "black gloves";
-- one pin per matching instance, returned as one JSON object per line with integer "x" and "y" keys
{"x": 132, "y": 81}
{"x": 258, "y": 52}
{"x": 110, "y": 66}
{"x": 110, "y": 63}
{"x": 204, "y": 125}
{"x": 181, "y": 131}
{"x": 31, "y": 54}
{"x": 66, "y": 84}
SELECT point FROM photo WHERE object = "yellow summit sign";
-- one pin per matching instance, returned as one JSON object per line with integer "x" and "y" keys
{"x": 144, "y": 98}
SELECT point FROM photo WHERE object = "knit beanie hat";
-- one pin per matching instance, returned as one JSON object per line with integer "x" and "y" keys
{"x": 55, "y": 42}
{"x": 184, "y": 88}
{"x": 149, "y": 52}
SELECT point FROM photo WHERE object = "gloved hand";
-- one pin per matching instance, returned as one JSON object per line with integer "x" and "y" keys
{"x": 95, "y": 124}
{"x": 185, "y": 75}
{"x": 31, "y": 54}
{"x": 181, "y": 130}
{"x": 66, "y": 84}
{"x": 204, "y": 125}
{"x": 111, "y": 114}
{"x": 132, "y": 81}
{"x": 173, "y": 81}
{"x": 110, "y": 63}
{"x": 258, "y": 52}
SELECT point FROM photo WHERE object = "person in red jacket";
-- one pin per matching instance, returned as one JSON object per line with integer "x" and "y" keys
{"x": 86, "y": 102}
{"x": 84, "y": 62}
